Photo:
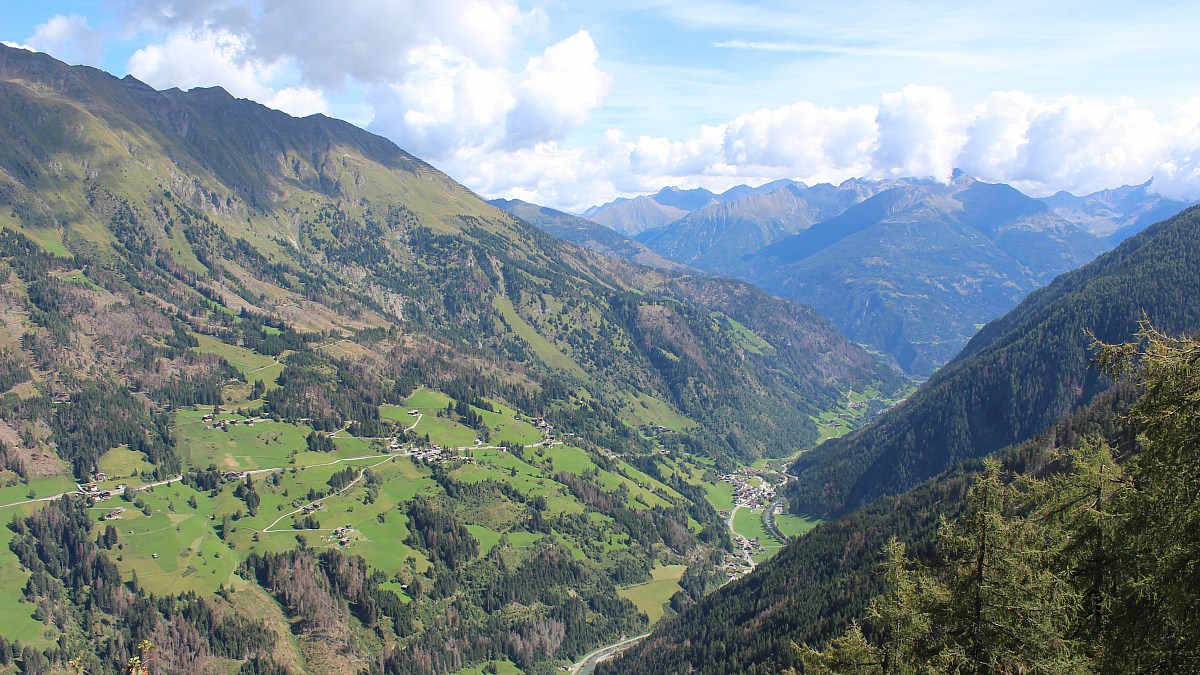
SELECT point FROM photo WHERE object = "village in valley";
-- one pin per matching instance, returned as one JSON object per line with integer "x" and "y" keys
{"x": 751, "y": 490}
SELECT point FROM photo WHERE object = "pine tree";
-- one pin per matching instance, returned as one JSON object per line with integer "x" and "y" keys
{"x": 1007, "y": 608}
{"x": 1154, "y": 624}
{"x": 992, "y": 603}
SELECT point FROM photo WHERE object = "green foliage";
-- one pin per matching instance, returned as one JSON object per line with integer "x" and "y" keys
{"x": 331, "y": 274}
{"x": 1079, "y": 572}
{"x": 823, "y": 581}
{"x": 1018, "y": 375}
{"x": 57, "y": 546}
{"x": 104, "y": 415}
{"x": 440, "y": 534}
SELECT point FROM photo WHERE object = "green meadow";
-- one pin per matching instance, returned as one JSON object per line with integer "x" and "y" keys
{"x": 252, "y": 365}
{"x": 792, "y": 525}
{"x": 651, "y": 596}
{"x": 123, "y": 463}
{"x": 19, "y": 623}
{"x": 545, "y": 350}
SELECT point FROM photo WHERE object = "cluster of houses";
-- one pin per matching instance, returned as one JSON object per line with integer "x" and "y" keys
{"x": 749, "y": 491}
{"x": 439, "y": 455}
{"x": 740, "y": 563}
{"x": 233, "y": 475}
{"x": 97, "y": 493}
{"x": 747, "y": 546}
{"x": 224, "y": 424}
{"x": 115, "y": 514}
{"x": 734, "y": 566}
{"x": 310, "y": 508}
{"x": 547, "y": 430}
{"x": 341, "y": 535}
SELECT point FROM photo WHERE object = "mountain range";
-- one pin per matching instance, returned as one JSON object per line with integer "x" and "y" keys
{"x": 277, "y": 396}
{"x": 1116, "y": 214}
{"x": 909, "y": 267}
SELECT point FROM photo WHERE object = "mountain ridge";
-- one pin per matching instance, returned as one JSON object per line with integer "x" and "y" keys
{"x": 586, "y": 233}
{"x": 980, "y": 402}
{"x": 914, "y": 269}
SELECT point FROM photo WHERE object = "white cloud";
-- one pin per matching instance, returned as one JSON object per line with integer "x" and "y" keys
{"x": 1074, "y": 144}
{"x": 368, "y": 42}
{"x": 188, "y": 59}
{"x": 1040, "y": 147}
{"x": 17, "y": 45}
{"x": 919, "y": 133}
{"x": 200, "y": 59}
{"x": 449, "y": 103}
{"x": 445, "y": 103}
{"x": 1179, "y": 175}
{"x": 299, "y": 101}
{"x": 802, "y": 140}
{"x": 68, "y": 37}
{"x": 557, "y": 92}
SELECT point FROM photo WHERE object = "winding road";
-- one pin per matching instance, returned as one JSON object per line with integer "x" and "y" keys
{"x": 78, "y": 491}
{"x": 588, "y": 663}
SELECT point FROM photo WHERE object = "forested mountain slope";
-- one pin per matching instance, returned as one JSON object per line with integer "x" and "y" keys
{"x": 810, "y": 592}
{"x": 338, "y": 411}
{"x": 1019, "y": 374}
{"x": 1081, "y": 568}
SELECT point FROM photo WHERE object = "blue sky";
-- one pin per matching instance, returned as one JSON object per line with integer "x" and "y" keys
{"x": 575, "y": 103}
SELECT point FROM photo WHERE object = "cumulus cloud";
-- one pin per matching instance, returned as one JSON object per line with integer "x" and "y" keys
{"x": 68, "y": 37}
{"x": 800, "y": 140}
{"x": 557, "y": 91}
{"x": 201, "y": 59}
{"x": 449, "y": 103}
{"x": 1076, "y": 144}
{"x": 370, "y": 42}
{"x": 1179, "y": 175}
{"x": 919, "y": 133}
{"x": 436, "y": 73}
{"x": 1070, "y": 143}
{"x": 299, "y": 101}
{"x": 205, "y": 58}
{"x": 364, "y": 42}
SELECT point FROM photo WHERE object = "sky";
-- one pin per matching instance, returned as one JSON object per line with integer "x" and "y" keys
{"x": 572, "y": 104}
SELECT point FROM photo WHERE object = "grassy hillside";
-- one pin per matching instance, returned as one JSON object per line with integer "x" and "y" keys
{"x": 343, "y": 406}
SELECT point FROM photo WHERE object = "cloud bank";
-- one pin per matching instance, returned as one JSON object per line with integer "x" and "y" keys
{"x": 1073, "y": 144}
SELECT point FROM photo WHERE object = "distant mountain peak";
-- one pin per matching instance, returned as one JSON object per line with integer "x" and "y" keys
{"x": 1115, "y": 213}
{"x": 687, "y": 200}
